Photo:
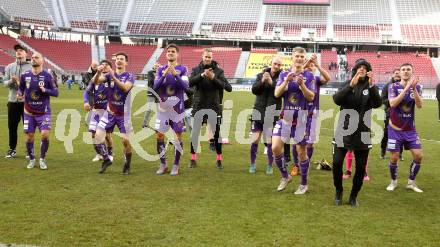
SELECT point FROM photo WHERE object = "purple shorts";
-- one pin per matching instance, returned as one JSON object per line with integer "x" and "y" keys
{"x": 108, "y": 122}
{"x": 398, "y": 138}
{"x": 95, "y": 117}
{"x": 31, "y": 122}
{"x": 164, "y": 122}
{"x": 299, "y": 133}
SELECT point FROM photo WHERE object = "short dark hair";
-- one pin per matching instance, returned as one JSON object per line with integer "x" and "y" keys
{"x": 172, "y": 45}
{"x": 396, "y": 69}
{"x": 406, "y": 64}
{"x": 121, "y": 53}
{"x": 106, "y": 61}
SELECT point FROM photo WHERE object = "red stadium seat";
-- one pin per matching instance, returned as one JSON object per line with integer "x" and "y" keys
{"x": 190, "y": 56}
{"x": 69, "y": 55}
{"x": 138, "y": 55}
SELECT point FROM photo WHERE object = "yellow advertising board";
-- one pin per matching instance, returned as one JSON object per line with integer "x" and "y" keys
{"x": 257, "y": 61}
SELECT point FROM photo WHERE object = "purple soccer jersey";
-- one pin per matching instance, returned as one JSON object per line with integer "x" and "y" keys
{"x": 100, "y": 93}
{"x": 402, "y": 116}
{"x": 295, "y": 106}
{"x": 293, "y": 98}
{"x": 171, "y": 89}
{"x": 116, "y": 97}
{"x": 315, "y": 87}
{"x": 37, "y": 102}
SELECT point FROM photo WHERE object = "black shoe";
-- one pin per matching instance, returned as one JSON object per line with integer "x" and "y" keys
{"x": 126, "y": 169}
{"x": 382, "y": 155}
{"x": 105, "y": 165}
{"x": 10, "y": 154}
{"x": 192, "y": 164}
{"x": 338, "y": 198}
{"x": 219, "y": 164}
{"x": 401, "y": 158}
{"x": 353, "y": 202}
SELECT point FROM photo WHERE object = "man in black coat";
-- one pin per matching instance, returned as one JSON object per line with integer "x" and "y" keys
{"x": 264, "y": 88}
{"x": 209, "y": 81}
{"x": 356, "y": 99}
{"x": 386, "y": 103}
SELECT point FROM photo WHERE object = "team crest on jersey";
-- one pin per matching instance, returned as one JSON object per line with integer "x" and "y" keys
{"x": 292, "y": 98}
{"x": 365, "y": 92}
{"x": 406, "y": 107}
{"x": 170, "y": 90}
{"x": 411, "y": 95}
{"x": 34, "y": 95}
{"x": 116, "y": 96}
{"x": 101, "y": 96}
{"x": 41, "y": 83}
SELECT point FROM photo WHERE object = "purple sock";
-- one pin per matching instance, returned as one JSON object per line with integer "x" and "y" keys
{"x": 30, "y": 150}
{"x": 279, "y": 160}
{"x": 161, "y": 149}
{"x": 414, "y": 169}
{"x": 110, "y": 150}
{"x": 100, "y": 149}
{"x": 269, "y": 154}
{"x": 393, "y": 170}
{"x": 310, "y": 152}
{"x": 304, "y": 171}
{"x": 177, "y": 155}
{"x": 295, "y": 155}
{"x": 44, "y": 147}
{"x": 254, "y": 149}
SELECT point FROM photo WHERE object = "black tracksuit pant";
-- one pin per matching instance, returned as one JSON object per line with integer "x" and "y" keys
{"x": 15, "y": 114}
{"x": 361, "y": 158}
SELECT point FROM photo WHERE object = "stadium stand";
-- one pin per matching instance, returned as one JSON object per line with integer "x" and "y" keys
{"x": 138, "y": 55}
{"x": 229, "y": 20}
{"x": 69, "y": 55}
{"x": 37, "y": 12}
{"x": 92, "y": 15}
{"x": 264, "y": 50}
{"x": 190, "y": 56}
{"x": 384, "y": 64}
{"x": 163, "y": 18}
{"x": 293, "y": 18}
{"x": 5, "y": 58}
{"x": 6, "y": 42}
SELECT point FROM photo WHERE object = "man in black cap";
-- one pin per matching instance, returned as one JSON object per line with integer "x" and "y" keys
{"x": 15, "y": 105}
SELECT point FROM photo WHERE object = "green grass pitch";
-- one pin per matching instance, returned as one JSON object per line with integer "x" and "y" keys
{"x": 70, "y": 204}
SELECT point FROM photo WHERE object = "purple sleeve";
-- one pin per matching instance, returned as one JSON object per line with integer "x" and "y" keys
{"x": 391, "y": 92}
{"x": 159, "y": 79}
{"x": 131, "y": 78}
{"x": 419, "y": 89}
{"x": 182, "y": 79}
{"x": 281, "y": 78}
{"x": 86, "y": 95}
{"x": 51, "y": 89}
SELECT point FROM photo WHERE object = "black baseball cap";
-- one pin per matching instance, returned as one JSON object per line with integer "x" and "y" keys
{"x": 18, "y": 46}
